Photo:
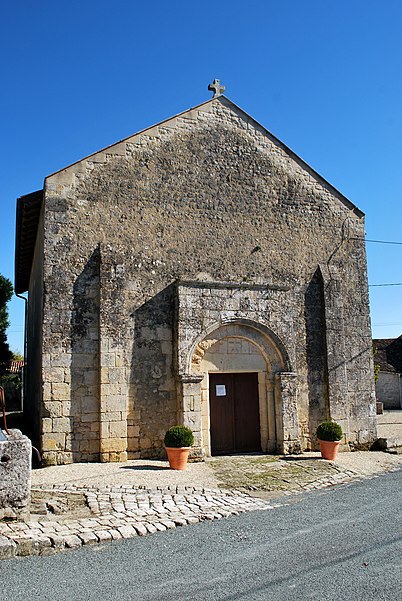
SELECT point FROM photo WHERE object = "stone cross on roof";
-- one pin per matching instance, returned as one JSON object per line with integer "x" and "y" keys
{"x": 216, "y": 88}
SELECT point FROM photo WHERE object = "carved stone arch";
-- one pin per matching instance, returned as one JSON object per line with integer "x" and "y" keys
{"x": 276, "y": 382}
{"x": 259, "y": 334}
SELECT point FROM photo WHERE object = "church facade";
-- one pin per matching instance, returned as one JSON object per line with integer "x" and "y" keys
{"x": 200, "y": 273}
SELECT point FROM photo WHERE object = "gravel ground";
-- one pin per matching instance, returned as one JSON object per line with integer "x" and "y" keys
{"x": 213, "y": 473}
{"x": 368, "y": 463}
{"x": 148, "y": 473}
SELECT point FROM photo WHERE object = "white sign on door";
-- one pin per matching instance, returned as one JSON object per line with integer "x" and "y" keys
{"x": 220, "y": 390}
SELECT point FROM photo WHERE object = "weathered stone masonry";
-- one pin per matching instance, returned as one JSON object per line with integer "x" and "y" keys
{"x": 201, "y": 244}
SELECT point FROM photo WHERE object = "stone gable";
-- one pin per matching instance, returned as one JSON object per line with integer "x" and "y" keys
{"x": 210, "y": 198}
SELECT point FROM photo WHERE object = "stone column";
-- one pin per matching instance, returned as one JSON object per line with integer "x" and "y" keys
{"x": 336, "y": 355}
{"x": 287, "y": 421}
{"x": 349, "y": 346}
{"x": 189, "y": 410}
{"x": 112, "y": 369}
{"x": 113, "y": 404}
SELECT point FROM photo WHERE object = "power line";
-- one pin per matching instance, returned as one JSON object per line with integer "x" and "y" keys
{"x": 378, "y": 241}
{"x": 381, "y": 242}
{"x": 377, "y": 285}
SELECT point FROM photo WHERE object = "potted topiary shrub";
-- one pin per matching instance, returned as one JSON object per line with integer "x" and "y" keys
{"x": 178, "y": 441}
{"x": 329, "y": 435}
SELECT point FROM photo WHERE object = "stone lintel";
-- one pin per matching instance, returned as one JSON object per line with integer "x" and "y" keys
{"x": 190, "y": 378}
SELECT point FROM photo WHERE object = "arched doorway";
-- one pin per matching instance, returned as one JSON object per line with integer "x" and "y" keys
{"x": 234, "y": 413}
{"x": 237, "y": 364}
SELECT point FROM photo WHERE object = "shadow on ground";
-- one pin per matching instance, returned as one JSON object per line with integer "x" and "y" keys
{"x": 144, "y": 466}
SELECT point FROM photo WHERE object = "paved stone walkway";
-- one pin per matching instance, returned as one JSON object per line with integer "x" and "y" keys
{"x": 121, "y": 511}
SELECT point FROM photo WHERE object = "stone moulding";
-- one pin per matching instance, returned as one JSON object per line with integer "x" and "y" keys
{"x": 231, "y": 285}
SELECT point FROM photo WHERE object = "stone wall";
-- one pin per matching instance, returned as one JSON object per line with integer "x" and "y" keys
{"x": 389, "y": 390}
{"x": 209, "y": 195}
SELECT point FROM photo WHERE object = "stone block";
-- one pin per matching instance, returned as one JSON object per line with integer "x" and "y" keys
{"x": 53, "y": 409}
{"x": 104, "y": 375}
{"x": 15, "y": 475}
{"x": 113, "y": 445}
{"x": 118, "y": 429}
{"x": 24, "y": 546}
{"x": 47, "y": 391}
{"x": 46, "y": 363}
{"x": 46, "y": 425}
{"x": 90, "y": 404}
{"x": 113, "y": 457}
{"x": 53, "y": 441}
{"x": 42, "y": 545}
{"x": 60, "y": 391}
{"x": 117, "y": 375}
{"x": 113, "y": 416}
{"x": 60, "y": 360}
{"x": 93, "y": 446}
{"x": 51, "y": 458}
{"x": 108, "y": 360}
{"x": 91, "y": 377}
{"x": 133, "y": 431}
{"x": 111, "y": 389}
{"x": 56, "y": 374}
{"x": 89, "y": 417}
{"x": 7, "y": 548}
{"x": 61, "y": 424}
{"x": 72, "y": 541}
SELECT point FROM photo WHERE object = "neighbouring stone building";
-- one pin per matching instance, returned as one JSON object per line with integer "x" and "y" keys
{"x": 388, "y": 356}
{"x": 197, "y": 272}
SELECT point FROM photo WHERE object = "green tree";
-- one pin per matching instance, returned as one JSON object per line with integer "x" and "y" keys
{"x": 6, "y": 292}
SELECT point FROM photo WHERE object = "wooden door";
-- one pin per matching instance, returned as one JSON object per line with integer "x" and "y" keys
{"x": 234, "y": 413}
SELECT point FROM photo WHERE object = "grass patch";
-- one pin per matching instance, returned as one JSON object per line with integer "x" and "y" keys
{"x": 268, "y": 472}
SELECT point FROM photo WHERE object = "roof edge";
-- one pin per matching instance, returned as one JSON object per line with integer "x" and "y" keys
{"x": 300, "y": 161}
{"x": 27, "y": 220}
{"x": 137, "y": 133}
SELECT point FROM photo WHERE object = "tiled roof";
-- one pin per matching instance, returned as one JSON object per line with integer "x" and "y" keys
{"x": 389, "y": 354}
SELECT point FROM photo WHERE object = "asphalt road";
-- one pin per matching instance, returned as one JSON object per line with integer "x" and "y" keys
{"x": 340, "y": 544}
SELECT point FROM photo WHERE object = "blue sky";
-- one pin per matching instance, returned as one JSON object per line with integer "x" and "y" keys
{"x": 324, "y": 77}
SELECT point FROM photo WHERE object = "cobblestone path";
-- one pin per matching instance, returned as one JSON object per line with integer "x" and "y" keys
{"x": 68, "y": 516}
{"x": 122, "y": 512}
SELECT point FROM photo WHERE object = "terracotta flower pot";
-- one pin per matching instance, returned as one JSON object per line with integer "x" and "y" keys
{"x": 178, "y": 457}
{"x": 329, "y": 449}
